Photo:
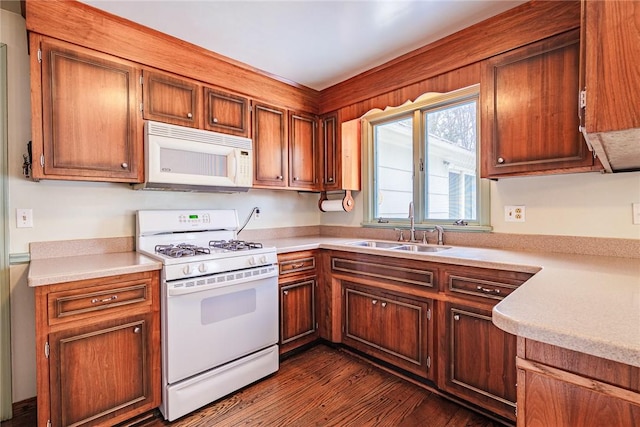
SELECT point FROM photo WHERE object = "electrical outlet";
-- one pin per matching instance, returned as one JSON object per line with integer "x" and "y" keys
{"x": 24, "y": 218}
{"x": 257, "y": 214}
{"x": 635, "y": 208}
{"x": 514, "y": 213}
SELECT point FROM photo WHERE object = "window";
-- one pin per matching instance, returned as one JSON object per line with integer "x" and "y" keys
{"x": 426, "y": 152}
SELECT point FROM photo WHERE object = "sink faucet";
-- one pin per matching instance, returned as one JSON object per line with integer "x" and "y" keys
{"x": 412, "y": 231}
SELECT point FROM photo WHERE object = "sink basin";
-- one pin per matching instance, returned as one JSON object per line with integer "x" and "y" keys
{"x": 421, "y": 248}
{"x": 376, "y": 244}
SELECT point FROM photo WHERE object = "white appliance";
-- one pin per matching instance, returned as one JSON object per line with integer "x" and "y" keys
{"x": 219, "y": 305}
{"x": 186, "y": 159}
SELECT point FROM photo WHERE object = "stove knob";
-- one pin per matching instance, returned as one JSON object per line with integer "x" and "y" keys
{"x": 263, "y": 259}
{"x": 252, "y": 261}
{"x": 187, "y": 270}
{"x": 202, "y": 268}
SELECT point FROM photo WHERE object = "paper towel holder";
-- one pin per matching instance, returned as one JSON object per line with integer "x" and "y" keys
{"x": 347, "y": 202}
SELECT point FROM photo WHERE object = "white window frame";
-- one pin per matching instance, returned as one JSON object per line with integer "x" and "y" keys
{"x": 417, "y": 108}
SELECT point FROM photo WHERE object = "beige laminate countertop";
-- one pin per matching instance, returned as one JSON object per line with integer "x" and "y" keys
{"x": 584, "y": 303}
{"x": 49, "y": 271}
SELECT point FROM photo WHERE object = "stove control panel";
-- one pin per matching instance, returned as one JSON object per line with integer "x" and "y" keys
{"x": 232, "y": 261}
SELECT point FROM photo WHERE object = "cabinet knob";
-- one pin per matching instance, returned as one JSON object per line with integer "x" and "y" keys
{"x": 189, "y": 115}
{"x": 215, "y": 120}
{"x": 279, "y": 177}
{"x": 374, "y": 302}
{"x": 295, "y": 178}
{"x": 285, "y": 292}
{"x": 124, "y": 165}
{"x": 500, "y": 160}
{"x": 384, "y": 304}
{"x": 137, "y": 330}
{"x": 330, "y": 179}
{"x": 456, "y": 317}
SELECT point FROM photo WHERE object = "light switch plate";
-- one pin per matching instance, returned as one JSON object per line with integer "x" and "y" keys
{"x": 635, "y": 207}
{"x": 24, "y": 218}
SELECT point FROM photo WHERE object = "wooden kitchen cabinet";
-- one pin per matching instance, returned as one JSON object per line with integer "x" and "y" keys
{"x": 86, "y": 123}
{"x": 529, "y": 113}
{"x": 340, "y": 154}
{"x": 478, "y": 358}
{"x": 284, "y": 145}
{"x": 298, "y": 282}
{"x": 98, "y": 350}
{"x": 303, "y": 173}
{"x": 566, "y": 388}
{"x": 610, "y": 79}
{"x": 390, "y": 327}
{"x": 225, "y": 112}
{"x": 171, "y": 99}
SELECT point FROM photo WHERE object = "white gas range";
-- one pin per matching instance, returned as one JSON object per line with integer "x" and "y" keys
{"x": 219, "y": 305}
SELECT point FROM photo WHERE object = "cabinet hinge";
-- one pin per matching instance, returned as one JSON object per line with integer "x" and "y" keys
{"x": 428, "y": 314}
{"x": 48, "y": 423}
{"x": 39, "y": 55}
{"x": 316, "y": 325}
{"x": 141, "y": 81}
{"x": 515, "y": 410}
{"x": 583, "y": 99}
{"x": 42, "y": 160}
{"x": 46, "y": 349}
{"x": 141, "y": 107}
{"x": 428, "y": 361}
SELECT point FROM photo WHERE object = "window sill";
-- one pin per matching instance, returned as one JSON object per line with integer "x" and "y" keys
{"x": 429, "y": 227}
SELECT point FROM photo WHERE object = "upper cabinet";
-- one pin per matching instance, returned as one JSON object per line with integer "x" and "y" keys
{"x": 284, "y": 145}
{"x": 224, "y": 112}
{"x": 529, "y": 110}
{"x": 170, "y": 99}
{"x": 85, "y": 114}
{"x": 340, "y": 153}
{"x": 610, "y": 78}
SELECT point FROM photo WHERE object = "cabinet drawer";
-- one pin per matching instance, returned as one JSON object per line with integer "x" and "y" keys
{"x": 78, "y": 303}
{"x": 297, "y": 265}
{"x": 485, "y": 284}
{"x": 412, "y": 275}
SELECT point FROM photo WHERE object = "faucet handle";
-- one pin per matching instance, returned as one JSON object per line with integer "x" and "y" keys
{"x": 401, "y": 237}
{"x": 424, "y": 237}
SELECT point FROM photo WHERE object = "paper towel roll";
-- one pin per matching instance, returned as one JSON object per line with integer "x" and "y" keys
{"x": 332, "y": 205}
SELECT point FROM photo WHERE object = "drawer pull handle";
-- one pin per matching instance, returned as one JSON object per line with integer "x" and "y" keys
{"x": 488, "y": 291}
{"x": 111, "y": 298}
{"x": 456, "y": 317}
{"x": 137, "y": 330}
{"x": 374, "y": 302}
{"x": 301, "y": 264}
{"x": 384, "y": 304}
{"x": 285, "y": 292}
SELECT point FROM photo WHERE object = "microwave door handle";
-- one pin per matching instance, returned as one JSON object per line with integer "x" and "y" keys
{"x": 233, "y": 165}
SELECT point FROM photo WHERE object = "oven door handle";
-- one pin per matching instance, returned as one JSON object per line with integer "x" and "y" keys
{"x": 201, "y": 288}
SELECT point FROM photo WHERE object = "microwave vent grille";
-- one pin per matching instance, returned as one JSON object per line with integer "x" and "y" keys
{"x": 209, "y": 137}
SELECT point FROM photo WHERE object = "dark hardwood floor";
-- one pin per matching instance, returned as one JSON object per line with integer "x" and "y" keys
{"x": 326, "y": 387}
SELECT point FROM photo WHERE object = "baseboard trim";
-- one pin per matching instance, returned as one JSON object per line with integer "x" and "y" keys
{"x": 25, "y": 407}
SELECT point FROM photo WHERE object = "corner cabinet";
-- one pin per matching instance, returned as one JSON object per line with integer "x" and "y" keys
{"x": 284, "y": 148}
{"x": 298, "y": 282}
{"x": 529, "y": 110}
{"x": 86, "y": 123}
{"x": 340, "y": 153}
{"x": 479, "y": 358}
{"x": 98, "y": 350}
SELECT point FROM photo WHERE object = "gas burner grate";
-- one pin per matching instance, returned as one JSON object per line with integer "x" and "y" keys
{"x": 181, "y": 250}
{"x": 234, "y": 245}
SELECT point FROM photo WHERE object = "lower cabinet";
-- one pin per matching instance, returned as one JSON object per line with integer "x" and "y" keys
{"x": 389, "y": 327}
{"x": 98, "y": 350}
{"x": 480, "y": 359}
{"x": 298, "y": 301}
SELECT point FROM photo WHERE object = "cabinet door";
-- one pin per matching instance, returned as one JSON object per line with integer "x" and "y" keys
{"x": 330, "y": 158}
{"x": 361, "y": 318}
{"x": 480, "y": 360}
{"x": 225, "y": 112}
{"x": 530, "y": 113}
{"x": 302, "y": 151}
{"x": 297, "y": 310}
{"x": 101, "y": 371}
{"x": 89, "y": 123}
{"x": 269, "y": 145}
{"x": 169, "y": 99}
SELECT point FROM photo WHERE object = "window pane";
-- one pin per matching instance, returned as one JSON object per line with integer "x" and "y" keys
{"x": 393, "y": 185}
{"x": 451, "y": 162}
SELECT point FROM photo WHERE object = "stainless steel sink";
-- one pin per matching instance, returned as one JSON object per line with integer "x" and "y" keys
{"x": 376, "y": 244}
{"x": 421, "y": 248}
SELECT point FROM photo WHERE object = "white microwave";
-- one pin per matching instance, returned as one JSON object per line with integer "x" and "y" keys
{"x": 186, "y": 159}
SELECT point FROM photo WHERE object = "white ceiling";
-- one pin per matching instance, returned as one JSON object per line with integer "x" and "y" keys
{"x": 314, "y": 43}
